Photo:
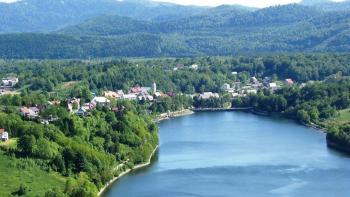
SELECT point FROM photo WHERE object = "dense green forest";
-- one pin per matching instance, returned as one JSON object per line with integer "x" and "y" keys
{"x": 50, "y": 15}
{"x": 224, "y": 30}
{"x": 213, "y": 72}
{"x": 85, "y": 152}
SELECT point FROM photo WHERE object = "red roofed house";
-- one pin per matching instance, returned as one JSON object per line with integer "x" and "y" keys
{"x": 289, "y": 81}
{"x": 136, "y": 90}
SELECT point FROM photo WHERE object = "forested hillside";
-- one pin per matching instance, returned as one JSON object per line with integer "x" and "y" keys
{"x": 49, "y": 15}
{"x": 224, "y": 30}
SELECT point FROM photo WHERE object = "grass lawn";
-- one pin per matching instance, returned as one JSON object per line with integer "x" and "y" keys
{"x": 11, "y": 143}
{"x": 342, "y": 117}
{"x": 37, "y": 181}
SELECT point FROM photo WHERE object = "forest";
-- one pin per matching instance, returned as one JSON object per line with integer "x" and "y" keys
{"x": 82, "y": 151}
{"x": 223, "y": 30}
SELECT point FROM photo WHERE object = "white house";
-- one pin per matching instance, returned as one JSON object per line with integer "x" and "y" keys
{"x": 226, "y": 86}
{"x": 130, "y": 97}
{"x": 208, "y": 95}
{"x": 101, "y": 100}
{"x": 272, "y": 85}
{"x": 194, "y": 66}
{"x": 4, "y": 136}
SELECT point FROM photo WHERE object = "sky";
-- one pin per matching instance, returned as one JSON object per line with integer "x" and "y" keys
{"x": 251, "y": 3}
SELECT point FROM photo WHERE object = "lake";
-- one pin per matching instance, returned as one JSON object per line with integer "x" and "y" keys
{"x": 238, "y": 154}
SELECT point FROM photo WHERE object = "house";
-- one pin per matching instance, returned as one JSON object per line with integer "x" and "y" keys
{"x": 136, "y": 90}
{"x": 89, "y": 106}
{"x": 226, "y": 87}
{"x": 130, "y": 97}
{"x": 9, "y": 81}
{"x": 81, "y": 112}
{"x": 254, "y": 80}
{"x": 251, "y": 91}
{"x": 272, "y": 85}
{"x": 289, "y": 81}
{"x": 111, "y": 94}
{"x": 31, "y": 112}
{"x": 208, "y": 95}
{"x": 4, "y": 136}
{"x": 114, "y": 95}
{"x": 73, "y": 104}
{"x": 54, "y": 102}
{"x": 234, "y": 73}
{"x": 101, "y": 100}
{"x": 194, "y": 67}
{"x": 179, "y": 67}
{"x": 235, "y": 95}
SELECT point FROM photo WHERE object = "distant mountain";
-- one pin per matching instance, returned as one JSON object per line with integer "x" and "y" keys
{"x": 224, "y": 30}
{"x": 314, "y": 2}
{"x": 49, "y": 15}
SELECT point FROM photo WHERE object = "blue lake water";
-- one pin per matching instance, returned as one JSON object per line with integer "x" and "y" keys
{"x": 238, "y": 154}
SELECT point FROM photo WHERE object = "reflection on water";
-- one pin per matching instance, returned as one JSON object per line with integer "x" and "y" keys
{"x": 238, "y": 154}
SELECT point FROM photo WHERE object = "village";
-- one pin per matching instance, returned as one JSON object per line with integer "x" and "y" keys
{"x": 137, "y": 93}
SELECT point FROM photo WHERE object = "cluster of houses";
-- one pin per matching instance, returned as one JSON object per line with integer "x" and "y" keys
{"x": 9, "y": 81}
{"x": 30, "y": 112}
{"x": 7, "y": 84}
{"x": 182, "y": 66}
{"x": 238, "y": 90}
{"x": 135, "y": 93}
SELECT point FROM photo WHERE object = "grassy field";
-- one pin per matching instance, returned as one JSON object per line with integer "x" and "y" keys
{"x": 11, "y": 143}
{"x": 342, "y": 117}
{"x": 14, "y": 172}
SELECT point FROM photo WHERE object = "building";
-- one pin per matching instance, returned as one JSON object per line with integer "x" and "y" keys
{"x": 114, "y": 95}
{"x": 208, "y": 95}
{"x": 101, "y": 100}
{"x": 82, "y": 112}
{"x": 4, "y": 136}
{"x": 226, "y": 87}
{"x": 9, "y": 81}
{"x": 73, "y": 104}
{"x": 154, "y": 88}
{"x": 130, "y": 97}
{"x": 251, "y": 91}
{"x": 254, "y": 80}
{"x": 272, "y": 85}
{"x": 31, "y": 112}
{"x": 289, "y": 81}
{"x": 194, "y": 66}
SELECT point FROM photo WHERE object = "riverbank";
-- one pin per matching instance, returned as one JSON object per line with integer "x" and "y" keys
{"x": 169, "y": 115}
{"x": 102, "y": 190}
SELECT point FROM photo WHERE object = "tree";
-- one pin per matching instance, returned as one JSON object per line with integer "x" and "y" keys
{"x": 26, "y": 144}
{"x": 22, "y": 190}
{"x": 303, "y": 116}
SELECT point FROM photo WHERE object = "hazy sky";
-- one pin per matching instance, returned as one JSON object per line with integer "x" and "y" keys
{"x": 252, "y": 3}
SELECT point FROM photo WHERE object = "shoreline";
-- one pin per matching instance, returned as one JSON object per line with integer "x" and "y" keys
{"x": 109, "y": 183}
{"x": 174, "y": 114}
